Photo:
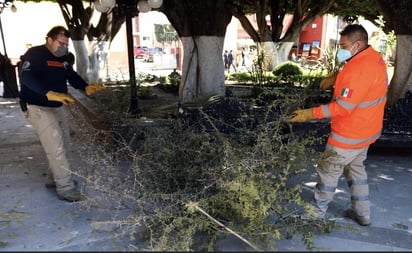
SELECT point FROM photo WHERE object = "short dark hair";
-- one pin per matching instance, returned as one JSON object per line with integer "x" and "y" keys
{"x": 355, "y": 32}
{"x": 55, "y": 31}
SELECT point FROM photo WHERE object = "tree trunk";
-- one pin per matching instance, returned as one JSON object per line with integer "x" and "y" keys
{"x": 397, "y": 15}
{"x": 270, "y": 53}
{"x": 201, "y": 25}
{"x": 284, "y": 50}
{"x": 275, "y": 53}
{"x": 203, "y": 69}
{"x": 91, "y": 68}
{"x": 81, "y": 59}
{"x": 402, "y": 78}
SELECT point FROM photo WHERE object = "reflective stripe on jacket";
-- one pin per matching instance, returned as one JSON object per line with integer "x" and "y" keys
{"x": 358, "y": 102}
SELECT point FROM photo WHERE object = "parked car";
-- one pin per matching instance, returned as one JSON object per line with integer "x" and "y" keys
{"x": 139, "y": 52}
{"x": 148, "y": 56}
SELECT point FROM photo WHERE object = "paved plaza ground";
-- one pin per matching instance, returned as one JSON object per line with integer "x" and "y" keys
{"x": 33, "y": 219}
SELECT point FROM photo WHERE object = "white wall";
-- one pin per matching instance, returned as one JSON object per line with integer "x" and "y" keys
{"x": 29, "y": 25}
{"x": 147, "y": 22}
{"x": 230, "y": 42}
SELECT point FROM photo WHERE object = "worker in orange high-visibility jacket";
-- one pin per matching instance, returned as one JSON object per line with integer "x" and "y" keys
{"x": 356, "y": 115}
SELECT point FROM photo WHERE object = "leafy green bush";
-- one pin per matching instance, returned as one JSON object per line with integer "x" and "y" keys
{"x": 287, "y": 69}
{"x": 241, "y": 77}
{"x": 174, "y": 78}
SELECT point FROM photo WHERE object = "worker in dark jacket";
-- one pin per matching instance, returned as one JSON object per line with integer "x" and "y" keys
{"x": 45, "y": 72}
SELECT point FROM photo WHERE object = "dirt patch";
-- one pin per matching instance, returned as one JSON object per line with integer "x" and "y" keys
{"x": 152, "y": 101}
{"x": 157, "y": 96}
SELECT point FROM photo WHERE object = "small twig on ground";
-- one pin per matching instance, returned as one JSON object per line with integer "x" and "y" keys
{"x": 222, "y": 225}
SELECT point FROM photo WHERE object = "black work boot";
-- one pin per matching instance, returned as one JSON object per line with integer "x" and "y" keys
{"x": 361, "y": 220}
{"x": 70, "y": 195}
{"x": 52, "y": 184}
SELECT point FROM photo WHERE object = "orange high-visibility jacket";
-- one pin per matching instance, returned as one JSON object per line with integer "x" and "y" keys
{"x": 357, "y": 107}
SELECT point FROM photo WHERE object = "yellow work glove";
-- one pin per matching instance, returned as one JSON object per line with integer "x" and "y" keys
{"x": 60, "y": 97}
{"x": 301, "y": 116}
{"x": 328, "y": 82}
{"x": 92, "y": 88}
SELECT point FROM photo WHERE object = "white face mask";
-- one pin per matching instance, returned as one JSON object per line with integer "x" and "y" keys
{"x": 344, "y": 54}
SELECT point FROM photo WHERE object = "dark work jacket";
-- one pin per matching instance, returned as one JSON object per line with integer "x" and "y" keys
{"x": 42, "y": 72}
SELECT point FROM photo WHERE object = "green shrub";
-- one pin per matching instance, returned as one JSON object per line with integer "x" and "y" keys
{"x": 288, "y": 69}
{"x": 162, "y": 79}
{"x": 174, "y": 78}
{"x": 241, "y": 77}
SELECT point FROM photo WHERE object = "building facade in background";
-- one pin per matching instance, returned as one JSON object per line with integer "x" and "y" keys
{"x": 323, "y": 32}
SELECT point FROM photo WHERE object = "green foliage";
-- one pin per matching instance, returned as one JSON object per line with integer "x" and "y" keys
{"x": 239, "y": 77}
{"x": 387, "y": 46}
{"x": 260, "y": 77}
{"x": 287, "y": 69}
{"x": 323, "y": 66}
{"x": 165, "y": 33}
{"x": 258, "y": 71}
{"x": 391, "y": 40}
{"x": 147, "y": 78}
{"x": 191, "y": 187}
{"x": 303, "y": 13}
{"x": 329, "y": 63}
{"x": 163, "y": 79}
{"x": 242, "y": 186}
{"x": 174, "y": 78}
{"x": 171, "y": 82}
{"x": 292, "y": 80}
{"x": 366, "y": 8}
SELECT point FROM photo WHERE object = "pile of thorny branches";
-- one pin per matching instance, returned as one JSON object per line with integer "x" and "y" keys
{"x": 190, "y": 186}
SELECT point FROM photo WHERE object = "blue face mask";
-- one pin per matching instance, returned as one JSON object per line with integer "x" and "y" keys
{"x": 344, "y": 54}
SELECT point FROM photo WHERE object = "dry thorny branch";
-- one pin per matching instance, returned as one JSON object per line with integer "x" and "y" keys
{"x": 246, "y": 188}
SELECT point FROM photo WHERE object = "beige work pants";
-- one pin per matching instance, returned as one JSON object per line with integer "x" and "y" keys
{"x": 53, "y": 131}
{"x": 350, "y": 163}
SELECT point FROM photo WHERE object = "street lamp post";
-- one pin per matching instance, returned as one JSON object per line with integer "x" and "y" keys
{"x": 130, "y": 8}
{"x": 4, "y": 4}
{"x": 8, "y": 71}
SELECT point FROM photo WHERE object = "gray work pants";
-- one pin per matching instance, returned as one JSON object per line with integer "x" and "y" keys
{"x": 350, "y": 163}
{"x": 53, "y": 131}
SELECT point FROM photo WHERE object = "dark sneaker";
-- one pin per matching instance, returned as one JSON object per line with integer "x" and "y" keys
{"x": 52, "y": 184}
{"x": 362, "y": 220}
{"x": 70, "y": 195}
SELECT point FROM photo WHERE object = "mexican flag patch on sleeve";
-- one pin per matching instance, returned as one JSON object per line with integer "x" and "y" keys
{"x": 346, "y": 92}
